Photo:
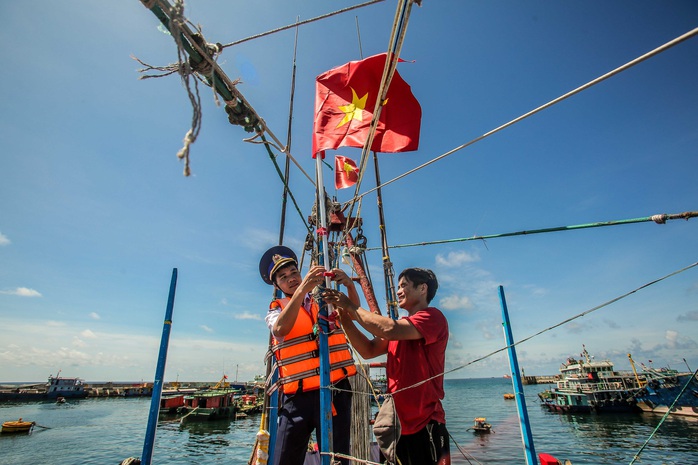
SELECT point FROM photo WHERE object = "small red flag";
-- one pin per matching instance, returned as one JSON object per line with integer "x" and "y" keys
{"x": 345, "y": 172}
{"x": 344, "y": 102}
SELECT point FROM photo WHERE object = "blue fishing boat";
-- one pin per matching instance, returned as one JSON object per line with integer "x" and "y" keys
{"x": 665, "y": 388}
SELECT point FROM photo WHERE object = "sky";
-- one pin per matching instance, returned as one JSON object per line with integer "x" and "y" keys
{"x": 95, "y": 212}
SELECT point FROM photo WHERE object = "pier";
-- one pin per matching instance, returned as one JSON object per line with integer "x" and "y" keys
{"x": 125, "y": 389}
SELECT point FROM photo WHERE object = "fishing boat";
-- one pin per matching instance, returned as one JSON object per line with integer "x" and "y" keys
{"x": 249, "y": 404}
{"x": 509, "y": 396}
{"x": 171, "y": 404}
{"x": 55, "y": 387}
{"x": 208, "y": 405}
{"x": 18, "y": 426}
{"x": 138, "y": 390}
{"x": 669, "y": 391}
{"x": 379, "y": 383}
{"x": 587, "y": 385}
{"x": 480, "y": 426}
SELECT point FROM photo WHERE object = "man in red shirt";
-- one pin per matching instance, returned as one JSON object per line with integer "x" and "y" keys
{"x": 416, "y": 348}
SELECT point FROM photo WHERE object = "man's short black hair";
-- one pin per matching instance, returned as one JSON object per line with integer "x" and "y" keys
{"x": 421, "y": 276}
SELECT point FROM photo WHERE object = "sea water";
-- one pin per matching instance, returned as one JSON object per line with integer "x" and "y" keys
{"x": 106, "y": 431}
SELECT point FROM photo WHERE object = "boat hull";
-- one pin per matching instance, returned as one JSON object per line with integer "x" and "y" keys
{"x": 42, "y": 396}
{"x": 661, "y": 393}
{"x": 15, "y": 427}
{"x": 662, "y": 409}
{"x": 208, "y": 414}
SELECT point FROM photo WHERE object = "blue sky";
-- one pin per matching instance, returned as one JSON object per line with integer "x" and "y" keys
{"x": 95, "y": 212}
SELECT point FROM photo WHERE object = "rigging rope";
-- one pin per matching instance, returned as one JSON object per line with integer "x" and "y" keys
{"x": 568, "y": 320}
{"x": 630, "y": 64}
{"x": 185, "y": 69}
{"x": 388, "y": 270}
{"x": 317, "y": 18}
{"x": 286, "y": 188}
{"x": 659, "y": 219}
{"x": 240, "y": 112}
{"x": 397, "y": 36}
{"x": 287, "y": 164}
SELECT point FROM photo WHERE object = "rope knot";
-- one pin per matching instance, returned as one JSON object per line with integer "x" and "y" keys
{"x": 659, "y": 219}
{"x": 211, "y": 50}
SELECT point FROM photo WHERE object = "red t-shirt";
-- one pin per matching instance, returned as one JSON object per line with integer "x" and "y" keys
{"x": 410, "y": 362}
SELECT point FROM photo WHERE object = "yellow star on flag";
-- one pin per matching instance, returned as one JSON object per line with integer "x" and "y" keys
{"x": 348, "y": 168}
{"x": 354, "y": 110}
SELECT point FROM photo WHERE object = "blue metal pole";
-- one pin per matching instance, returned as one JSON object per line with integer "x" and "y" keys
{"x": 149, "y": 442}
{"x": 526, "y": 435}
{"x": 273, "y": 416}
{"x": 325, "y": 435}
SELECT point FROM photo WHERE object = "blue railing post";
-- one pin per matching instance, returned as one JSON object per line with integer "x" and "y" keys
{"x": 149, "y": 442}
{"x": 526, "y": 435}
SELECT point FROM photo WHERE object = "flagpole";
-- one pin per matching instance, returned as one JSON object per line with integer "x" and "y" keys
{"x": 323, "y": 322}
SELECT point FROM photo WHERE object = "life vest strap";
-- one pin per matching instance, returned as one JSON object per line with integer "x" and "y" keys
{"x": 296, "y": 340}
{"x": 298, "y": 358}
{"x": 309, "y": 373}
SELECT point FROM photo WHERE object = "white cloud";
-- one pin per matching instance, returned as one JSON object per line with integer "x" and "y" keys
{"x": 454, "y": 259}
{"x": 95, "y": 316}
{"x": 247, "y": 316}
{"x": 455, "y": 302}
{"x": 115, "y": 355}
{"x": 22, "y": 292}
{"x": 672, "y": 338}
{"x": 88, "y": 334}
{"x": 206, "y": 328}
{"x": 4, "y": 240}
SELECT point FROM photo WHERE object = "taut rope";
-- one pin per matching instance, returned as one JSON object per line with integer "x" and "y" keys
{"x": 630, "y": 64}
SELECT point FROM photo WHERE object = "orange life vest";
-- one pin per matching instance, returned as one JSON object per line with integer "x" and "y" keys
{"x": 298, "y": 355}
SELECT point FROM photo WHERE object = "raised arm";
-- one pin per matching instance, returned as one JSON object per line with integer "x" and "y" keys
{"x": 340, "y": 277}
{"x": 367, "y": 348}
{"x": 383, "y": 328}
{"x": 287, "y": 318}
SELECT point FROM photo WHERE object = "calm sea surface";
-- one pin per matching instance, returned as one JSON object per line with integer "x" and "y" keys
{"x": 106, "y": 431}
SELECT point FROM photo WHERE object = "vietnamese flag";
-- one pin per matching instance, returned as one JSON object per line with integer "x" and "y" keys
{"x": 345, "y": 172}
{"x": 344, "y": 102}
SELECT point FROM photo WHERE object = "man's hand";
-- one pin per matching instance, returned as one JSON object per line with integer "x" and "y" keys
{"x": 341, "y": 302}
{"x": 315, "y": 277}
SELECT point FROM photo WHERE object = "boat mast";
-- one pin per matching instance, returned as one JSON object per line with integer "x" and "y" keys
{"x": 325, "y": 436}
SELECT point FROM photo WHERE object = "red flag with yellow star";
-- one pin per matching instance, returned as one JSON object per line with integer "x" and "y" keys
{"x": 344, "y": 102}
{"x": 345, "y": 172}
